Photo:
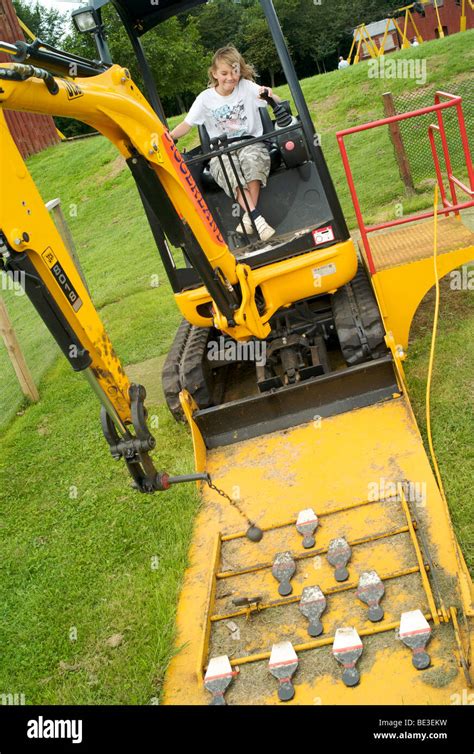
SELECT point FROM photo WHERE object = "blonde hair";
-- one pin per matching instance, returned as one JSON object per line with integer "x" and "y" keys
{"x": 232, "y": 57}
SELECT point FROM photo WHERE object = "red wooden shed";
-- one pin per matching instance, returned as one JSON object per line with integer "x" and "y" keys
{"x": 31, "y": 132}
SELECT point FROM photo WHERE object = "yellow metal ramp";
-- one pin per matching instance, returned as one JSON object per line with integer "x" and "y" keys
{"x": 346, "y": 468}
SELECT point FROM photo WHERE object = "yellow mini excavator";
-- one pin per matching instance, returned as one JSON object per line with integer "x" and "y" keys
{"x": 317, "y": 568}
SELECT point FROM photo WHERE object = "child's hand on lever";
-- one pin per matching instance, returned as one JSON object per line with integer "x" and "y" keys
{"x": 268, "y": 92}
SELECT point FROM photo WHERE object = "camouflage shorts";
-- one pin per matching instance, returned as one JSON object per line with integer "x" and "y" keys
{"x": 252, "y": 164}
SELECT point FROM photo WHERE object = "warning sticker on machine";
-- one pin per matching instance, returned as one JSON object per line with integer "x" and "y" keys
{"x": 62, "y": 279}
{"x": 327, "y": 269}
{"x": 323, "y": 235}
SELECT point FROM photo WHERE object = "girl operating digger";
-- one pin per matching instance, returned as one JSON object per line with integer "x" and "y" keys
{"x": 230, "y": 106}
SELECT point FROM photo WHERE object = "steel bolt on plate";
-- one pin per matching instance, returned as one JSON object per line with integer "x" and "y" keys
{"x": 347, "y": 648}
{"x": 306, "y": 525}
{"x": 283, "y": 569}
{"x": 218, "y": 677}
{"x": 339, "y": 554}
{"x": 282, "y": 665}
{"x": 370, "y": 591}
{"x": 415, "y": 633}
{"x": 312, "y": 606}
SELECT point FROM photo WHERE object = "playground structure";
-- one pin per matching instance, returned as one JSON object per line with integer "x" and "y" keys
{"x": 402, "y": 21}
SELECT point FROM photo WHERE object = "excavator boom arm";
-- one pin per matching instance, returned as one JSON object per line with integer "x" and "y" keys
{"x": 32, "y": 249}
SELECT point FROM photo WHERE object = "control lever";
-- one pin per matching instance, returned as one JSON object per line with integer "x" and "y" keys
{"x": 283, "y": 117}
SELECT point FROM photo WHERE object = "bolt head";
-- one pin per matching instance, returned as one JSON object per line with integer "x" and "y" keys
{"x": 254, "y": 533}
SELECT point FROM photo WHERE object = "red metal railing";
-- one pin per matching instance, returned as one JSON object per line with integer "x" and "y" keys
{"x": 448, "y": 207}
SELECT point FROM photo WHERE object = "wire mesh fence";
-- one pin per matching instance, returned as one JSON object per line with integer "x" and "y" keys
{"x": 414, "y": 131}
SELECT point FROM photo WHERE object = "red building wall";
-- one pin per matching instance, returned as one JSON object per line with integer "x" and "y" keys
{"x": 31, "y": 132}
{"x": 450, "y": 17}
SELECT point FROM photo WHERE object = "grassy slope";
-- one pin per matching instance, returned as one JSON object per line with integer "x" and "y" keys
{"x": 452, "y": 404}
{"x": 85, "y": 561}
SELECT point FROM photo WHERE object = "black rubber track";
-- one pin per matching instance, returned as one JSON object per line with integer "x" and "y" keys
{"x": 186, "y": 366}
{"x": 170, "y": 379}
{"x": 358, "y": 322}
{"x": 195, "y": 373}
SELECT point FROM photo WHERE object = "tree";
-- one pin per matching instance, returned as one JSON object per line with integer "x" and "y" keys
{"x": 258, "y": 47}
{"x": 174, "y": 52}
{"x": 177, "y": 59}
{"x": 45, "y": 23}
{"x": 179, "y": 50}
{"x": 220, "y": 23}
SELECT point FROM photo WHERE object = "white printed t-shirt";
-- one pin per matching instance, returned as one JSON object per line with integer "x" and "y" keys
{"x": 235, "y": 115}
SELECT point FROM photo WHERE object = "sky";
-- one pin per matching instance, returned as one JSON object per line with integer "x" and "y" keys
{"x": 62, "y": 5}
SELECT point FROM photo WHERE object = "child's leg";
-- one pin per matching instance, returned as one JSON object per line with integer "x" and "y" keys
{"x": 254, "y": 161}
{"x": 250, "y": 194}
{"x": 225, "y": 177}
{"x": 251, "y": 187}
{"x": 254, "y": 189}
{"x": 255, "y": 164}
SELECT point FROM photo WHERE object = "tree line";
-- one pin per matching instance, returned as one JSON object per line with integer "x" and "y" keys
{"x": 180, "y": 49}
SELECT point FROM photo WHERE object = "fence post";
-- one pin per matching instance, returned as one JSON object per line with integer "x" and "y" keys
{"x": 54, "y": 206}
{"x": 396, "y": 137}
{"x": 16, "y": 356}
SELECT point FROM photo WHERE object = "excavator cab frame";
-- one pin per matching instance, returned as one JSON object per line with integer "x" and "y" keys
{"x": 300, "y": 200}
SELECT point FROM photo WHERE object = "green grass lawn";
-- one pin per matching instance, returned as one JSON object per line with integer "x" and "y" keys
{"x": 91, "y": 570}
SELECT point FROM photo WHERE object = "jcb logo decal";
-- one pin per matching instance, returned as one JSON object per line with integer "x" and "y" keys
{"x": 49, "y": 257}
{"x": 73, "y": 90}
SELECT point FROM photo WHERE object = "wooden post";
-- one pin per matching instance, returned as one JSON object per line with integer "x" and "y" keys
{"x": 54, "y": 206}
{"x": 396, "y": 137}
{"x": 16, "y": 356}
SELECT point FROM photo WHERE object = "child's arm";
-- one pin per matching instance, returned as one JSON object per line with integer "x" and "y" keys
{"x": 180, "y": 130}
